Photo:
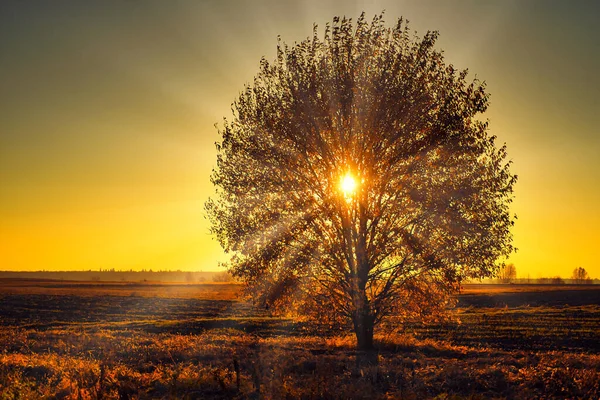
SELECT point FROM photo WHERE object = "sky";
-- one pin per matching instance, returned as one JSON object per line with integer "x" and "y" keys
{"x": 107, "y": 114}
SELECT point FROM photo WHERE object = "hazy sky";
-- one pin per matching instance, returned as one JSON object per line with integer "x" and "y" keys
{"x": 107, "y": 114}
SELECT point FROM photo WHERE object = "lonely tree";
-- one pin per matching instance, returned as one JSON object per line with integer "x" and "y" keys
{"x": 580, "y": 276}
{"x": 355, "y": 181}
{"x": 507, "y": 273}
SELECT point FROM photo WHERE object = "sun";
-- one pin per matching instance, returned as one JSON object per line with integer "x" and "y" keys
{"x": 348, "y": 185}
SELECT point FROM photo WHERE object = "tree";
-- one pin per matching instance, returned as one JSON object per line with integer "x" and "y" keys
{"x": 580, "y": 276}
{"x": 354, "y": 181}
{"x": 507, "y": 273}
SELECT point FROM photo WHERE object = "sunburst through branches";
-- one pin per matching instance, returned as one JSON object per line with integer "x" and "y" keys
{"x": 371, "y": 115}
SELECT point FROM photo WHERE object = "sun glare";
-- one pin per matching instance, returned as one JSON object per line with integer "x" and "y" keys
{"x": 348, "y": 185}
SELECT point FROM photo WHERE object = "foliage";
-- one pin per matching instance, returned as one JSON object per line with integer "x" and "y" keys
{"x": 507, "y": 273}
{"x": 580, "y": 275}
{"x": 432, "y": 191}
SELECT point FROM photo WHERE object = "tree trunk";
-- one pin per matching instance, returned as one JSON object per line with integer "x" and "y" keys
{"x": 367, "y": 360}
{"x": 363, "y": 327}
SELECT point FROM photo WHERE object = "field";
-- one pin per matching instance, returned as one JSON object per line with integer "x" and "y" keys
{"x": 124, "y": 340}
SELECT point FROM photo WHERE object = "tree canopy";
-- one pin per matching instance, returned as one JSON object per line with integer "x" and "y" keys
{"x": 580, "y": 276}
{"x": 355, "y": 182}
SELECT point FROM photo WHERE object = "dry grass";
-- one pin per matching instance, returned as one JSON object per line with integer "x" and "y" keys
{"x": 94, "y": 364}
{"x": 72, "y": 346}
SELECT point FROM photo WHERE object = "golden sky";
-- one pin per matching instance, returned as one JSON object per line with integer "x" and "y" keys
{"x": 108, "y": 111}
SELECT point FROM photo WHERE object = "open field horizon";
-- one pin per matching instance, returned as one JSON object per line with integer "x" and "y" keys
{"x": 221, "y": 275}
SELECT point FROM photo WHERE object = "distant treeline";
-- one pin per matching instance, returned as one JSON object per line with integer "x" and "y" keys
{"x": 122, "y": 276}
{"x": 221, "y": 276}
